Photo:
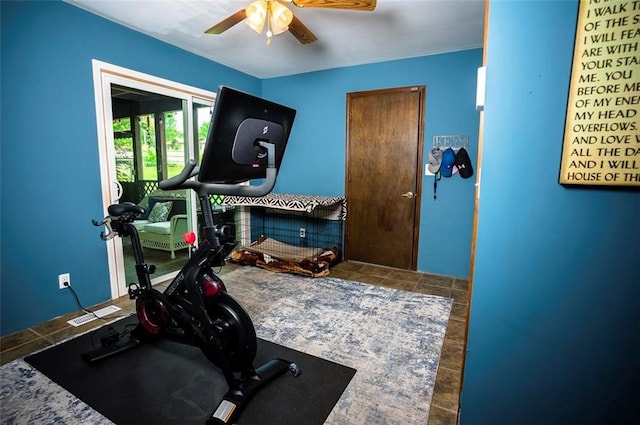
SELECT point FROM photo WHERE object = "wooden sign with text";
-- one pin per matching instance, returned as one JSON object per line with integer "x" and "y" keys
{"x": 602, "y": 131}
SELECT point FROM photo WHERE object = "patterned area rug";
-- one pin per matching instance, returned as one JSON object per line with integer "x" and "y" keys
{"x": 392, "y": 338}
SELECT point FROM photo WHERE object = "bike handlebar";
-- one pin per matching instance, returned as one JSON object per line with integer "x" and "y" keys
{"x": 181, "y": 181}
{"x": 187, "y": 172}
{"x": 109, "y": 234}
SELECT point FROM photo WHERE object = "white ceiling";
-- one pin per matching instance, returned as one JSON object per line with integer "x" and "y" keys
{"x": 397, "y": 29}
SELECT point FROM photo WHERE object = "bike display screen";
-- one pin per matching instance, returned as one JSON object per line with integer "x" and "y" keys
{"x": 232, "y": 153}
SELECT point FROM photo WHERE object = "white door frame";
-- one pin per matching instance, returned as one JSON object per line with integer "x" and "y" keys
{"x": 104, "y": 75}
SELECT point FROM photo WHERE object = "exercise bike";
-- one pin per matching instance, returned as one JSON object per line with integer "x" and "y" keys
{"x": 195, "y": 308}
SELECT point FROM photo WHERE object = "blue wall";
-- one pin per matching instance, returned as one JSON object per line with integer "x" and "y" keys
{"x": 554, "y": 332}
{"x": 50, "y": 168}
{"x": 315, "y": 159}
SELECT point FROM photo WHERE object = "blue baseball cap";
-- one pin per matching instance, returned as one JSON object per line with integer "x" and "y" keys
{"x": 448, "y": 161}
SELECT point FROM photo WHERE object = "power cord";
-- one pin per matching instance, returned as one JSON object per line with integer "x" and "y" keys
{"x": 111, "y": 335}
{"x": 75, "y": 296}
{"x": 86, "y": 310}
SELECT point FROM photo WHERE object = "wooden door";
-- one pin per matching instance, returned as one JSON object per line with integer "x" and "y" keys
{"x": 384, "y": 163}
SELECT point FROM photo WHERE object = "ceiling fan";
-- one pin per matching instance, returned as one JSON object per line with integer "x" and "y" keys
{"x": 279, "y": 18}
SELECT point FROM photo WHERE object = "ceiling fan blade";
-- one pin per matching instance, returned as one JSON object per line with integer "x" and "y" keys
{"x": 338, "y": 4}
{"x": 227, "y": 23}
{"x": 301, "y": 32}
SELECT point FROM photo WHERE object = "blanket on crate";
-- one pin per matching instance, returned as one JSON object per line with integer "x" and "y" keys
{"x": 276, "y": 256}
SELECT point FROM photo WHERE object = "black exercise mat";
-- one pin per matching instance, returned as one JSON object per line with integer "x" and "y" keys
{"x": 171, "y": 383}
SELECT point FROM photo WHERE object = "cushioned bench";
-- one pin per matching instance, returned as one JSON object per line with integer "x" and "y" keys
{"x": 164, "y": 224}
{"x": 165, "y": 235}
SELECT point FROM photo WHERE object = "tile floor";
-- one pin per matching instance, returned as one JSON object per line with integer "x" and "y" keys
{"x": 444, "y": 406}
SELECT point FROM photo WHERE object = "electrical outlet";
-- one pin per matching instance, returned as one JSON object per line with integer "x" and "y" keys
{"x": 303, "y": 232}
{"x": 62, "y": 278}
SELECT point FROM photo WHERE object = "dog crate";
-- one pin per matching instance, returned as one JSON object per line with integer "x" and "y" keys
{"x": 293, "y": 233}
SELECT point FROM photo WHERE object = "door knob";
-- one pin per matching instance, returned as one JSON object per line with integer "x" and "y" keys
{"x": 408, "y": 195}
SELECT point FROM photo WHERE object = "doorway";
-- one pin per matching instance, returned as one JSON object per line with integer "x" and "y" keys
{"x": 146, "y": 133}
{"x": 384, "y": 162}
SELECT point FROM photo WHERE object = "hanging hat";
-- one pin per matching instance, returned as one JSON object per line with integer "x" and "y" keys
{"x": 448, "y": 161}
{"x": 435, "y": 158}
{"x": 463, "y": 162}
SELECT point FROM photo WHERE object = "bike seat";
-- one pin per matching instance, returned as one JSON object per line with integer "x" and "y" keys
{"x": 116, "y": 210}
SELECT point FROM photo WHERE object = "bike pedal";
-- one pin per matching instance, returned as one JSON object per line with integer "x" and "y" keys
{"x": 109, "y": 339}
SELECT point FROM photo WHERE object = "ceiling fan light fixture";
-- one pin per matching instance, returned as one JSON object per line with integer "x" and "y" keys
{"x": 279, "y": 17}
{"x": 256, "y": 15}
